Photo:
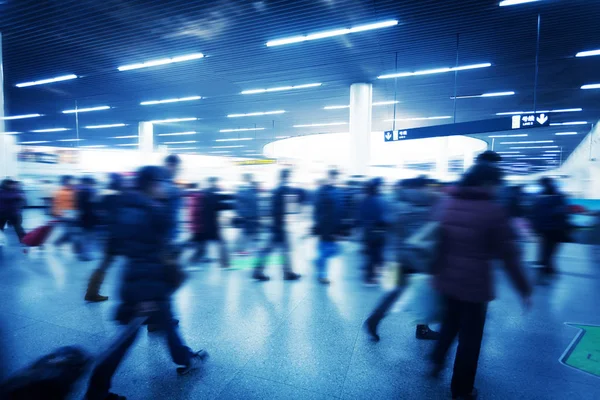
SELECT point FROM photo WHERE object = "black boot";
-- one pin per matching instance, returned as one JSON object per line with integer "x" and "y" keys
{"x": 291, "y": 276}
{"x": 371, "y": 326}
{"x": 424, "y": 333}
{"x": 259, "y": 275}
{"x": 93, "y": 288}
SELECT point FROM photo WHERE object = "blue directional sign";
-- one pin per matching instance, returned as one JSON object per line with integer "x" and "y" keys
{"x": 514, "y": 122}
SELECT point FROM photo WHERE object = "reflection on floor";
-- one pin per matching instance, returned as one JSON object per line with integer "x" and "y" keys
{"x": 297, "y": 340}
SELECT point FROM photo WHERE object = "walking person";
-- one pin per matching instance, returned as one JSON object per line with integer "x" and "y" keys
{"x": 328, "y": 219}
{"x": 174, "y": 196}
{"x": 412, "y": 207}
{"x": 64, "y": 208}
{"x": 12, "y": 201}
{"x": 551, "y": 223}
{"x": 475, "y": 230}
{"x": 279, "y": 236}
{"x": 149, "y": 277}
{"x": 246, "y": 206}
{"x": 86, "y": 216}
{"x": 373, "y": 225}
{"x": 110, "y": 204}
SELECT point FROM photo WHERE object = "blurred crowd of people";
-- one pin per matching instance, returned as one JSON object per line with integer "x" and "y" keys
{"x": 448, "y": 233}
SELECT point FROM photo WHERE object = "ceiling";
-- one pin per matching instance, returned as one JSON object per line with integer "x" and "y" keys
{"x": 48, "y": 38}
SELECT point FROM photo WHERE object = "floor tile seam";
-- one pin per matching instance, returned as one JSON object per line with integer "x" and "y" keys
{"x": 351, "y": 360}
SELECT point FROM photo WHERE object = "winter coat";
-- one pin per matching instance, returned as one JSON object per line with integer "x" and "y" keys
{"x": 212, "y": 203}
{"x": 246, "y": 204}
{"x": 475, "y": 230}
{"x": 11, "y": 202}
{"x": 86, "y": 208}
{"x": 550, "y": 214}
{"x": 328, "y": 213}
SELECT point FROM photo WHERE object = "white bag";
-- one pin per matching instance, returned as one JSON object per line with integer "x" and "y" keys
{"x": 421, "y": 300}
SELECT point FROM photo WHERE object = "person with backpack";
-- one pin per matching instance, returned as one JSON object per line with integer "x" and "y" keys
{"x": 279, "y": 236}
{"x": 550, "y": 220}
{"x": 328, "y": 223}
{"x": 109, "y": 206}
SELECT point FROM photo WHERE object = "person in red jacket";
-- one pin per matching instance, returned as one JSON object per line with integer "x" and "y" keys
{"x": 475, "y": 229}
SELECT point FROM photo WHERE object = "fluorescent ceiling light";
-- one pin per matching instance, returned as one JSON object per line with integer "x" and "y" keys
{"x": 255, "y": 114}
{"x": 182, "y": 148}
{"x": 419, "y": 118}
{"x": 565, "y": 133}
{"x": 93, "y": 146}
{"x": 35, "y": 142}
{"x": 128, "y": 144}
{"x": 229, "y": 147}
{"x": 434, "y": 71}
{"x": 234, "y": 139}
{"x": 162, "y": 61}
{"x": 178, "y": 133}
{"x": 507, "y": 136}
{"x": 508, "y": 152}
{"x": 70, "y": 140}
{"x": 591, "y": 86}
{"x": 513, "y": 155}
{"x": 495, "y": 94}
{"x": 80, "y": 110}
{"x": 152, "y": 102}
{"x": 125, "y": 137}
{"x": 536, "y": 159}
{"x": 569, "y": 123}
{"x": 281, "y": 88}
{"x": 104, "y": 126}
{"x": 220, "y": 152}
{"x": 515, "y": 2}
{"x": 165, "y": 121}
{"x": 21, "y": 116}
{"x": 50, "y": 130}
{"x": 540, "y": 112}
{"x": 331, "y": 33}
{"x": 12, "y": 133}
{"x": 588, "y": 53}
{"x": 44, "y": 81}
{"x": 241, "y": 130}
{"x": 533, "y": 147}
{"x": 385, "y": 103}
{"x": 335, "y": 107}
{"x": 324, "y": 124}
{"x": 553, "y": 151}
{"x": 182, "y": 142}
{"x": 530, "y": 142}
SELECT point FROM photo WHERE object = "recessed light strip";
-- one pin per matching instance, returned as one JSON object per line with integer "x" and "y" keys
{"x": 506, "y": 3}
{"x": 331, "y": 33}
{"x": 234, "y": 139}
{"x": 50, "y": 130}
{"x": 93, "y": 146}
{"x": 591, "y": 86}
{"x": 229, "y": 147}
{"x": 256, "y": 114}
{"x": 88, "y": 109}
{"x": 182, "y": 142}
{"x": 569, "y": 123}
{"x": 125, "y": 137}
{"x": 540, "y": 112}
{"x": 530, "y": 142}
{"x": 435, "y": 71}
{"x": 104, "y": 126}
{"x": 24, "y": 116}
{"x": 495, "y": 94}
{"x": 162, "y": 61}
{"x": 588, "y": 53}
{"x": 165, "y": 101}
{"x": 281, "y": 88}
{"x": 565, "y": 133}
{"x": 165, "y": 121}
{"x": 45, "y": 81}
{"x": 419, "y": 118}
{"x": 178, "y": 133}
{"x": 533, "y": 147}
{"x": 241, "y": 130}
{"x": 35, "y": 142}
{"x": 508, "y": 136}
{"x": 70, "y": 140}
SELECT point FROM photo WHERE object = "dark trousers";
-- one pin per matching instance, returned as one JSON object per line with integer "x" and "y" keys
{"x": 278, "y": 241}
{"x": 202, "y": 242}
{"x": 98, "y": 275}
{"x": 374, "y": 259}
{"x": 465, "y": 320}
{"x": 548, "y": 247}
{"x": 16, "y": 220}
{"x": 101, "y": 378}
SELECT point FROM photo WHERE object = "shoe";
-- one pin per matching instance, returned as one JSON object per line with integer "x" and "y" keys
{"x": 156, "y": 327}
{"x": 113, "y": 396}
{"x": 195, "y": 360}
{"x": 371, "y": 327}
{"x": 291, "y": 276}
{"x": 470, "y": 396}
{"x": 424, "y": 333}
{"x": 324, "y": 281}
{"x": 260, "y": 276}
{"x": 95, "y": 298}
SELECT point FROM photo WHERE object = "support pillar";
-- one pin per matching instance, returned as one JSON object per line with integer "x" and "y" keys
{"x": 146, "y": 142}
{"x": 361, "y": 98}
{"x": 8, "y": 146}
{"x": 441, "y": 163}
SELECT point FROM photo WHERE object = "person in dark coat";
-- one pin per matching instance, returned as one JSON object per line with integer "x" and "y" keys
{"x": 144, "y": 227}
{"x": 86, "y": 216}
{"x": 550, "y": 221}
{"x": 12, "y": 201}
{"x": 212, "y": 202}
{"x": 328, "y": 223}
{"x": 373, "y": 224}
{"x": 279, "y": 236}
{"x": 246, "y": 206}
{"x": 109, "y": 206}
{"x": 475, "y": 229}
{"x": 174, "y": 196}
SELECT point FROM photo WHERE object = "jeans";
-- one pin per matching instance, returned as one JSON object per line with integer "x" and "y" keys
{"x": 248, "y": 234}
{"x": 101, "y": 378}
{"x": 466, "y": 320}
{"x": 278, "y": 241}
{"x": 326, "y": 250}
{"x": 16, "y": 220}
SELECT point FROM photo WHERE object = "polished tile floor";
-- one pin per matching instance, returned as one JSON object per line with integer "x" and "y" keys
{"x": 296, "y": 340}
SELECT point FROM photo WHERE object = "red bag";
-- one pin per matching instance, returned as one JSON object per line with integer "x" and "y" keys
{"x": 38, "y": 236}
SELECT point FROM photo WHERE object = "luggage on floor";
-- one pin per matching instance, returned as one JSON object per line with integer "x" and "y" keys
{"x": 38, "y": 236}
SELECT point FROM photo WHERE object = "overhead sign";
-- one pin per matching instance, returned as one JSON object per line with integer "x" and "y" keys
{"x": 584, "y": 351}
{"x": 522, "y": 121}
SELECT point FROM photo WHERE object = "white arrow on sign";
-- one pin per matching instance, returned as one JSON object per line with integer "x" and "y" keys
{"x": 388, "y": 135}
{"x": 542, "y": 119}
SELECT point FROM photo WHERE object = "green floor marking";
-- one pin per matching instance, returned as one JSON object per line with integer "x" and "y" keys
{"x": 584, "y": 351}
{"x": 249, "y": 262}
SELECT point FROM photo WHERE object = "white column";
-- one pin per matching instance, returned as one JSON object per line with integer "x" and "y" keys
{"x": 146, "y": 142}
{"x": 8, "y": 147}
{"x": 361, "y": 98}
{"x": 469, "y": 160}
{"x": 441, "y": 164}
